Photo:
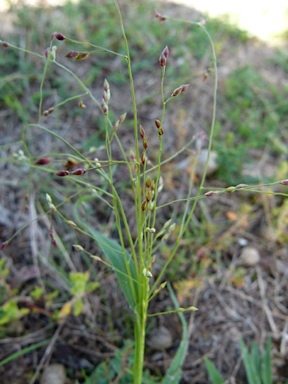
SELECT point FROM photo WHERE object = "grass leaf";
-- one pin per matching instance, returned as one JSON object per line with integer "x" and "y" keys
{"x": 266, "y": 364}
{"x": 213, "y": 373}
{"x": 119, "y": 258}
{"x": 174, "y": 372}
{"x": 251, "y": 370}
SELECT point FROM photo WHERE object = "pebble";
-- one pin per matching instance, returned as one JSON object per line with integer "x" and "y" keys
{"x": 249, "y": 257}
{"x": 201, "y": 162}
{"x": 53, "y": 374}
{"x": 160, "y": 338}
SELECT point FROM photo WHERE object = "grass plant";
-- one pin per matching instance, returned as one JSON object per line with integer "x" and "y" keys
{"x": 131, "y": 258}
{"x": 258, "y": 366}
{"x": 110, "y": 180}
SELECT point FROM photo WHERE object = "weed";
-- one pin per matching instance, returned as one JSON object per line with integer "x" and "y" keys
{"x": 124, "y": 187}
{"x": 258, "y": 366}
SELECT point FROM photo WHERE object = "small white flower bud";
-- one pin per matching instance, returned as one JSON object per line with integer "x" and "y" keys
{"x": 171, "y": 228}
{"x": 48, "y": 198}
{"x": 78, "y": 247}
{"x": 166, "y": 225}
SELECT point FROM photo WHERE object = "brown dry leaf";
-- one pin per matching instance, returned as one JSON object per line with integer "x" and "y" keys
{"x": 65, "y": 310}
{"x": 232, "y": 216}
{"x": 184, "y": 288}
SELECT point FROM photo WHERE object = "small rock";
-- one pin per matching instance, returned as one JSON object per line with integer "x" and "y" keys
{"x": 201, "y": 161}
{"x": 53, "y": 374}
{"x": 249, "y": 257}
{"x": 268, "y": 233}
{"x": 160, "y": 338}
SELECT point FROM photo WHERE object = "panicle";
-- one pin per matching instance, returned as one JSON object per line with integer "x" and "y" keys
{"x": 164, "y": 56}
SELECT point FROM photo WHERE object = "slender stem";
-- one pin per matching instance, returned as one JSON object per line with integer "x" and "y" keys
{"x": 142, "y": 302}
{"x": 199, "y": 193}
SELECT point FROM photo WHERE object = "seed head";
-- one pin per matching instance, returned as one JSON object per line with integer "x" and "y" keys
{"x": 53, "y": 52}
{"x": 58, "y": 36}
{"x": 106, "y": 93}
{"x": 81, "y": 105}
{"x": 145, "y": 143}
{"x": 164, "y": 56}
{"x": 54, "y": 243}
{"x": 3, "y": 245}
{"x": 284, "y": 182}
{"x": 157, "y": 123}
{"x": 150, "y": 230}
{"x": 239, "y": 186}
{"x": 143, "y": 159}
{"x": 202, "y": 21}
{"x": 149, "y": 195}
{"x": 171, "y": 228}
{"x": 71, "y": 223}
{"x": 104, "y": 107}
{"x": 48, "y": 111}
{"x": 180, "y": 89}
{"x": 63, "y": 173}
{"x": 78, "y": 247}
{"x": 150, "y": 206}
{"x": 142, "y": 132}
{"x": 122, "y": 118}
{"x": 148, "y": 183}
{"x": 106, "y": 85}
{"x": 167, "y": 224}
{"x": 79, "y": 171}
{"x": 160, "y": 17}
{"x": 119, "y": 121}
{"x": 43, "y": 161}
{"x": 132, "y": 156}
{"x": 72, "y": 54}
{"x": 71, "y": 163}
{"x": 82, "y": 56}
{"x": 4, "y": 44}
{"x": 211, "y": 193}
{"x": 48, "y": 198}
{"x": 147, "y": 273}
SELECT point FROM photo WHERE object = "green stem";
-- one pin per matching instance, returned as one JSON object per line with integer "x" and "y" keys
{"x": 142, "y": 302}
{"x": 199, "y": 193}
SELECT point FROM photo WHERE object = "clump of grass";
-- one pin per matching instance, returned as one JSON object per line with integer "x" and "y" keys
{"x": 133, "y": 253}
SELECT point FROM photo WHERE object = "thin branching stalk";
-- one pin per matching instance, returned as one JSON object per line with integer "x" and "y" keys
{"x": 211, "y": 135}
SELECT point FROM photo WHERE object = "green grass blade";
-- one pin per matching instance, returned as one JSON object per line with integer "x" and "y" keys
{"x": 213, "y": 373}
{"x": 23, "y": 352}
{"x": 120, "y": 259}
{"x": 255, "y": 356}
{"x": 174, "y": 372}
{"x": 266, "y": 364}
{"x": 251, "y": 371}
